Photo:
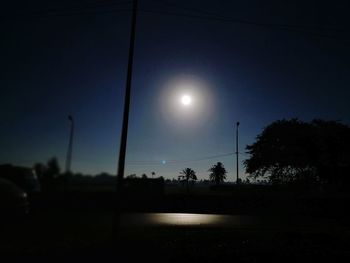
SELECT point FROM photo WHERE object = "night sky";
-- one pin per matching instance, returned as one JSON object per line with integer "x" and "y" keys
{"x": 239, "y": 64}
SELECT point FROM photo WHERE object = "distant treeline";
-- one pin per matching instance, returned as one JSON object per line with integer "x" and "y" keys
{"x": 287, "y": 152}
{"x": 50, "y": 176}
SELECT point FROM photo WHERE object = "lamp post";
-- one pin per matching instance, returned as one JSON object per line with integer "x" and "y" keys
{"x": 70, "y": 145}
{"x": 237, "y": 165}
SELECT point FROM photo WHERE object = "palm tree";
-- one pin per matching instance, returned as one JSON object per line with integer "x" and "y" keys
{"x": 217, "y": 173}
{"x": 188, "y": 174}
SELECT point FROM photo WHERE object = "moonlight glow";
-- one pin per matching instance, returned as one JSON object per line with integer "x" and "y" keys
{"x": 186, "y": 100}
{"x": 186, "y": 103}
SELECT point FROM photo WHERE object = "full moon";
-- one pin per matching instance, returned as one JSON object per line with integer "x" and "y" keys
{"x": 186, "y": 100}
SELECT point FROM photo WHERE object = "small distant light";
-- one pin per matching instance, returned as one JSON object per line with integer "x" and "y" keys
{"x": 163, "y": 162}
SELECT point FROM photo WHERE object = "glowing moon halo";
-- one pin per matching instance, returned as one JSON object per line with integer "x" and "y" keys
{"x": 186, "y": 100}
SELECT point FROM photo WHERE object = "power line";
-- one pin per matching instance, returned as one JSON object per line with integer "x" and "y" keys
{"x": 73, "y": 14}
{"x": 142, "y": 162}
{"x": 191, "y": 9}
{"x": 251, "y": 23}
{"x": 86, "y": 5}
{"x": 96, "y": 8}
{"x": 199, "y": 13}
{"x": 300, "y": 29}
{"x": 180, "y": 161}
{"x": 220, "y": 16}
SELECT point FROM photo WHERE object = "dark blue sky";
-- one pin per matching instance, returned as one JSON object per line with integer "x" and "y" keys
{"x": 66, "y": 63}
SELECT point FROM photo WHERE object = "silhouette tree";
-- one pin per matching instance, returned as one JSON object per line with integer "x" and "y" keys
{"x": 48, "y": 173}
{"x": 153, "y": 174}
{"x": 292, "y": 151}
{"x": 217, "y": 173}
{"x": 189, "y": 175}
{"x": 53, "y": 168}
{"x": 39, "y": 169}
{"x": 331, "y": 154}
{"x": 144, "y": 176}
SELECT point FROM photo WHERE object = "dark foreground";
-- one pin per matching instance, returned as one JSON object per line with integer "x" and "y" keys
{"x": 90, "y": 236}
{"x": 237, "y": 227}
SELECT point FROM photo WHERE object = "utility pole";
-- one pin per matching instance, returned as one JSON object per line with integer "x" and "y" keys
{"x": 70, "y": 145}
{"x": 124, "y": 133}
{"x": 237, "y": 165}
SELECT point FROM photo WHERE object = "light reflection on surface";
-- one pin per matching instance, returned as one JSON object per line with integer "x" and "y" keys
{"x": 218, "y": 221}
{"x": 183, "y": 219}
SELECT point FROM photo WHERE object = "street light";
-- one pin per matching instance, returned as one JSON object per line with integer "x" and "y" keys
{"x": 70, "y": 144}
{"x": 237, "y": 166}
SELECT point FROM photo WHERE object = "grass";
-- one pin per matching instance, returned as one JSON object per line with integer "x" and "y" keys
{"x": 284, "y": 244}
{"x": 90, "y": 234}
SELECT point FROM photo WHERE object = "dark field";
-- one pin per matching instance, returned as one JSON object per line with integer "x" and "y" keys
{"x": 272, "y": 227}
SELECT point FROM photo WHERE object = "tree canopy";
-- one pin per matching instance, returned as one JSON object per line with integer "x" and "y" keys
{"x": 188, "y": 174}
{"x": 217, "y": 173}
{"x": 53, "y": 168}
{"x": 295, "y": 151}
